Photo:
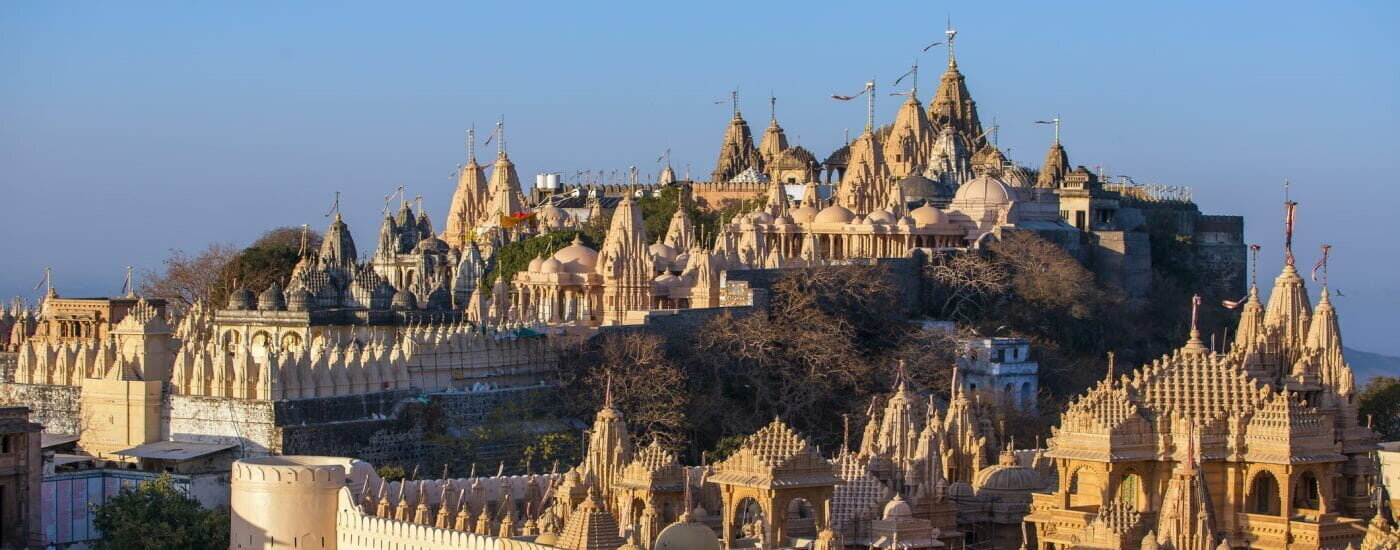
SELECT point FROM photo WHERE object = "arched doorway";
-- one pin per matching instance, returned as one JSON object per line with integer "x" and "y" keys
{"x": 801, "y": 518}
{"x": 1130, "y": 491}
{"x": 1263, "y": 495}
{"x": 1307, "y": 494}
{"x": 750, "y": 521}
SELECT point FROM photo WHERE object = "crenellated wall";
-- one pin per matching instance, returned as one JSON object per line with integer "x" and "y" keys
{"x": 356, "y": 530}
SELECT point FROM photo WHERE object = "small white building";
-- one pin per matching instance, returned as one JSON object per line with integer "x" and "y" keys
{"x": 1000, "y": 366}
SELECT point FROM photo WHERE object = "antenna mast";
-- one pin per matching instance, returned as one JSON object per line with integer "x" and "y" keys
{"x": 870, "y": 105}
{"x": 471, "y": 144}
{"x": 952, "y": 64}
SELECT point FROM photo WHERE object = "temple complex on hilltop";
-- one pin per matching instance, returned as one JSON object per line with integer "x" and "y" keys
{"x": 1257, "y": 446}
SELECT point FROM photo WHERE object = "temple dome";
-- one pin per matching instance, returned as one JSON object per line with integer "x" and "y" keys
{"x": 577, "y": 258}
{"x": 1008, "y": 479}
{"x": 404, "y": 299}
{"x": 804, "y": 214}
{"x": 916, "y": 186}
{"x": 535, "y": 264}
{"x": 897, "y": 508}
{"x": 430, "y": 244}
{"x": 553, "y": 216}
{"x": 881, "y": 217}
{"x": 928, "y": 215}
{"x": 271, "y": 299}
{"x": 663, "y": 251}
{"x": 760, "y": 217}
{"x": 834, "y": 214}
{"x": 550, "y": 266}
{"x": 241, "y": 299}
{"x": 985, "y": 189}
{"x": 686, "y": 536}
{"x": 440, "y": 298}
{"x": 960, "y": 489}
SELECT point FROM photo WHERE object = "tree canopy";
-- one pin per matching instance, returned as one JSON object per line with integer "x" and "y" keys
{"x": 158, "y": 515}
{"x": 1380, "y": 405}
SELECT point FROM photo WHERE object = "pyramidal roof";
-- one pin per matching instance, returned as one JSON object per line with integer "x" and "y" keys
{"x": 590, "y": 527}
{"x": 772, "y": 457}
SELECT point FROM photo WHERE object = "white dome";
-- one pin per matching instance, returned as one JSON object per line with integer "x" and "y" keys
{"x": 928, "y": 215}
{"x": 881, "y": 217}
{"x": 804, "y": 214}
{"x": 663, "y": 251}
{"x": 760, "y": 217}
{"x": 985, "y": 189}
{"x": 834, "y": 214}
{"x": 898, "y": 508}
{"x": 535, "y": 264}
{"x": 577, "y": 258}
{"x": 686, "y": 536}
{"x": 551, "y": 266}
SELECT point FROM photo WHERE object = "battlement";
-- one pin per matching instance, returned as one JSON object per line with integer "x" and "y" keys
{"x": 312, "y": 471}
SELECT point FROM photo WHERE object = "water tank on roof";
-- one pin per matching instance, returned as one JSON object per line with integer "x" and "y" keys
{"x": 551, "y": 181}
{"x": 540, "y": 181}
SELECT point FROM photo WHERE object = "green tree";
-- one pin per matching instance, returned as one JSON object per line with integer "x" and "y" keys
{"x": 157, "y": 515}
{"x": 551, "y": 448}
{"x": 1380, "y": 404}
{"x": 391, "y": 473}
{"x": 515, "y": 257}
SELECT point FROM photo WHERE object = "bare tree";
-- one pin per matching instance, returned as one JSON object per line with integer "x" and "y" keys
{"x": 1045, "y": 275}
{"x": 970, "y": 280}
{"x": 644, "y": 382}
{"x": 184, "y": 279}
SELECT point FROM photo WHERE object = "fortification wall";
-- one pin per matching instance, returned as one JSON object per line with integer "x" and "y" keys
{"x": 389, "y": 428}
{"x": 250, "y": 424}
{"x": 56, "y": 407}
{"x": 357, "y": 531}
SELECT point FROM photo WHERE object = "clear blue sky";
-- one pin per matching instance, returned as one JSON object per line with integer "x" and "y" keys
{"x": 127, "y": 129}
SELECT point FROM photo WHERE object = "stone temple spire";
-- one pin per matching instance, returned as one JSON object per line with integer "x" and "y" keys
{"x": 911, "y": 138}
{"x": 338, "y": 247}
{"x": 774, "y": 140}
{"x": 1185, "y": 520}
{"x": 1289, "y": 312}
{"x": 506, "y": 198}
{"x": 470, "y": 200}
{"x": 1056, "y": 166}
{"x": 952, "y": 105}
{"x": 609, "y": 445}
{"x": 625, "y": 264}
{"x": 737, "y": 152}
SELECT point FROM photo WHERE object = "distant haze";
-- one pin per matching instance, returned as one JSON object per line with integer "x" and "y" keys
{"x": 129, "y": 129}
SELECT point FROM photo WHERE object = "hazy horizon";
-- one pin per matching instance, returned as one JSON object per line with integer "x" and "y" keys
{"x": 128, "y": 130}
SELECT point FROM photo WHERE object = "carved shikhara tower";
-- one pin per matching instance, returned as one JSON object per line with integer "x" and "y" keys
{"x": 1255, "y": 447}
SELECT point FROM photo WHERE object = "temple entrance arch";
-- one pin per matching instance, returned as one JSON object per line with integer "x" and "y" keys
{"x": 1307, "y": 494}
{"x": 752, "y": 520}
{"x": 774, "y": 467}
{"x": 1264, "y": 494}
{"x": 801, "y": 518}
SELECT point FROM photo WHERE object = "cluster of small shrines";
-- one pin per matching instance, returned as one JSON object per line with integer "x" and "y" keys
{"x": 1257, "y": 446}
